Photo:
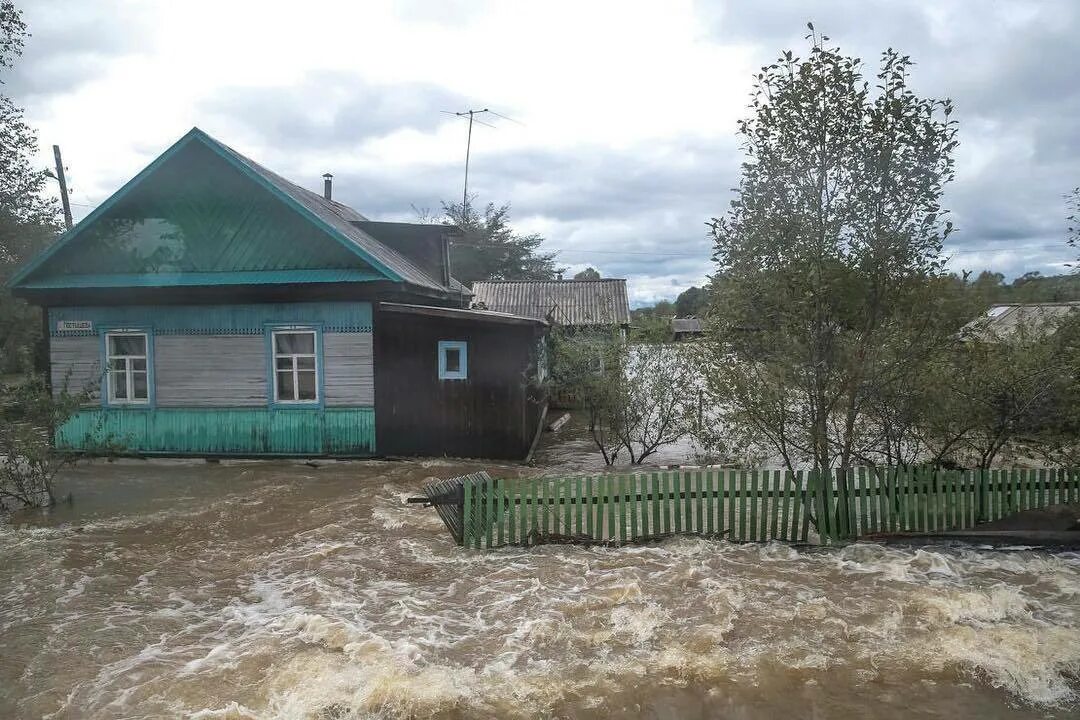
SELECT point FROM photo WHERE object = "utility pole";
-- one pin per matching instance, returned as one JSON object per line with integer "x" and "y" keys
{"x": 63, "y": 186}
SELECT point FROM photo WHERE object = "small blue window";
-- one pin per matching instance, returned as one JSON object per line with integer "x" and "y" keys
{"x": 453, "y": 360}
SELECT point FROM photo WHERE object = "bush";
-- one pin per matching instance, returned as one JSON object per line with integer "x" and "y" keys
{"x": 29, "y": 462}
{"x": 637, "y": 398}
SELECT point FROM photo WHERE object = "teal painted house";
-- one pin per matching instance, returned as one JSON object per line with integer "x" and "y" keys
{"x": 212, "y": 307}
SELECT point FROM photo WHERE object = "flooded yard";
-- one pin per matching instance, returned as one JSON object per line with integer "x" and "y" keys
{"x": 280, "y": 590}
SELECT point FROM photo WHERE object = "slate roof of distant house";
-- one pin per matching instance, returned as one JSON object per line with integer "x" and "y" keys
{"x": 686, "y": 325}
{"x": 566, "y": 302}
{"x": 345, "y": 220}
{"x": 1003, "y": 321}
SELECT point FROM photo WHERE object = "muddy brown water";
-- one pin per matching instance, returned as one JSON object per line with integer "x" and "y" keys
{"x": 277, "y": 590}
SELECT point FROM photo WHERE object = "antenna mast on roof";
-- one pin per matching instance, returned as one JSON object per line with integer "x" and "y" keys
{"x": 471, "y": 115}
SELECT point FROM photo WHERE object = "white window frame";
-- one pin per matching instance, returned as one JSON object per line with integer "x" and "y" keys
{"x": 128, "y": 371}
{"x": 293, "y": 357}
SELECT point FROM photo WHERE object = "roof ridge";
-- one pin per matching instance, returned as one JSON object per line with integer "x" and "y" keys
{"x": 398, "y": 263}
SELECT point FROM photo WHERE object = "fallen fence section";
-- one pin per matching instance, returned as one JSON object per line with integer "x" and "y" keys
{"x": 740, "y": 505}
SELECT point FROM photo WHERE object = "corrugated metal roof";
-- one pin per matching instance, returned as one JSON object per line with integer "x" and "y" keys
{"x": 567, "y": 302}
{"x": 484, "y": 315}
{"x": 1002, "y": 321}
{"x": 686, "y": 325}
{"x": 341, "y": 218}
{"x": 240, "y": 240}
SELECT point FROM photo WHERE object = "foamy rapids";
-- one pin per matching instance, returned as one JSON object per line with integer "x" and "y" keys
{"x": 277, "y": 592}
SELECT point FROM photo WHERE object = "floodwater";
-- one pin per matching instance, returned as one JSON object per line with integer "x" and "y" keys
{"x": 279, "y": 590}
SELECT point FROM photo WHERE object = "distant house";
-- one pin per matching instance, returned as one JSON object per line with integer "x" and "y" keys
{"x": 571, "y": 303}
{"x": 215, "y": 308}
{"x": 686, "y": 328}
{"x": 1002, "y": 322}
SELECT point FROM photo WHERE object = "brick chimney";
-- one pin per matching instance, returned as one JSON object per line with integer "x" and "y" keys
{"x": 328, "y": 186}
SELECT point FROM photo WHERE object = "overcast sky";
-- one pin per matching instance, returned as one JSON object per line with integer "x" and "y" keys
{"x": 625, "y": 142}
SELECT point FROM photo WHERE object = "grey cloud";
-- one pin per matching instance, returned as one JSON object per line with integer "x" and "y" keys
{"x": 660, "y": 212}
{"x": 331, "y": 109}
{"x": 1013, "y": 84}
{"x": 656, "y": 198}
{"x": 781, "y": 24}
{"x": 71, "y": 44}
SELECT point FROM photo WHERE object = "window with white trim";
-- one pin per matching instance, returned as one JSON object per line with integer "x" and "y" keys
{"x": 128, "y": 376}
{"x": 453, "y": 360}
{"x": 296, "y": 370}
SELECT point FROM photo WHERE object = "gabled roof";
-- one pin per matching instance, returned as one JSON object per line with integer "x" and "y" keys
{"x": 342, "y": 219}
{"x": 686, "y": 325}
{"x": 325, "y": 218}
{"x": 1004, "y": 321}
{"x": 567, "y": 302}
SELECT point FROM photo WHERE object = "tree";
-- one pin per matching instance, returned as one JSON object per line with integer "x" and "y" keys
{"x": 652, "y": 324}
{"x": 691, "y": 302}
{"x": 1018, "y": 388}
{"x": 28, "y": 221}
{"x": 589, "y": 273}
{"x": 826, "y": 262}
{"x": 663, "y": 309}
{"x": 636, "y": 398}
{"x": 489, "y": 249}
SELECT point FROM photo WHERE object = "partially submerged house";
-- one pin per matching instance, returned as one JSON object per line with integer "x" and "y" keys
{"x": 577, "y": 304}
{"x": 686, "y": 328}
{"x": 1002, "y": 322}
{"x": 212, "y": 307}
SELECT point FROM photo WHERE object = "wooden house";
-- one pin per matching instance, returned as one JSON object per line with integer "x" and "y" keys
{"x": 687, "y": 328}
{"x": 212, "y": 307}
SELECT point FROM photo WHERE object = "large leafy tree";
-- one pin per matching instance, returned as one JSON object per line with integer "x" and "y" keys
{"x": 488, "y": 248}
{"x": 692, "y": 302}
{"x": 827, "y": 259}
{"x": 28, "y": 220}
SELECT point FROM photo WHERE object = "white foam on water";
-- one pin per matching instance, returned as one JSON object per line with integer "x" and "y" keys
{"x": 232, "y": 711}
{"x": 377, "y": 614}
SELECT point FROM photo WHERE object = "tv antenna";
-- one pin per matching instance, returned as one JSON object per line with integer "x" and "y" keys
{"x": 471, "y": 115}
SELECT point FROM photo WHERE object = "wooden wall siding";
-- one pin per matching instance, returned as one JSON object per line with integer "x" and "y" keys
{"x": 220, "y": 371}
{"x": 349, "y": 378}
{"x": 215, "y": 355}
{"x": 74, "y": 364}
{"x": 238, "y": 431}
{"x": 210, "y": 370}
{"x": 239, "y": 319}
{"x": 492, "y": 414}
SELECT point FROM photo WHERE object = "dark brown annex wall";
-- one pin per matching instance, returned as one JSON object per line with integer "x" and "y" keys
{"x": 493, "y": 414}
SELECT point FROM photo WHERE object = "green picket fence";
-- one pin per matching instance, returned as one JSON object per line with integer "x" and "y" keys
{"x": 746, "y": 505}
